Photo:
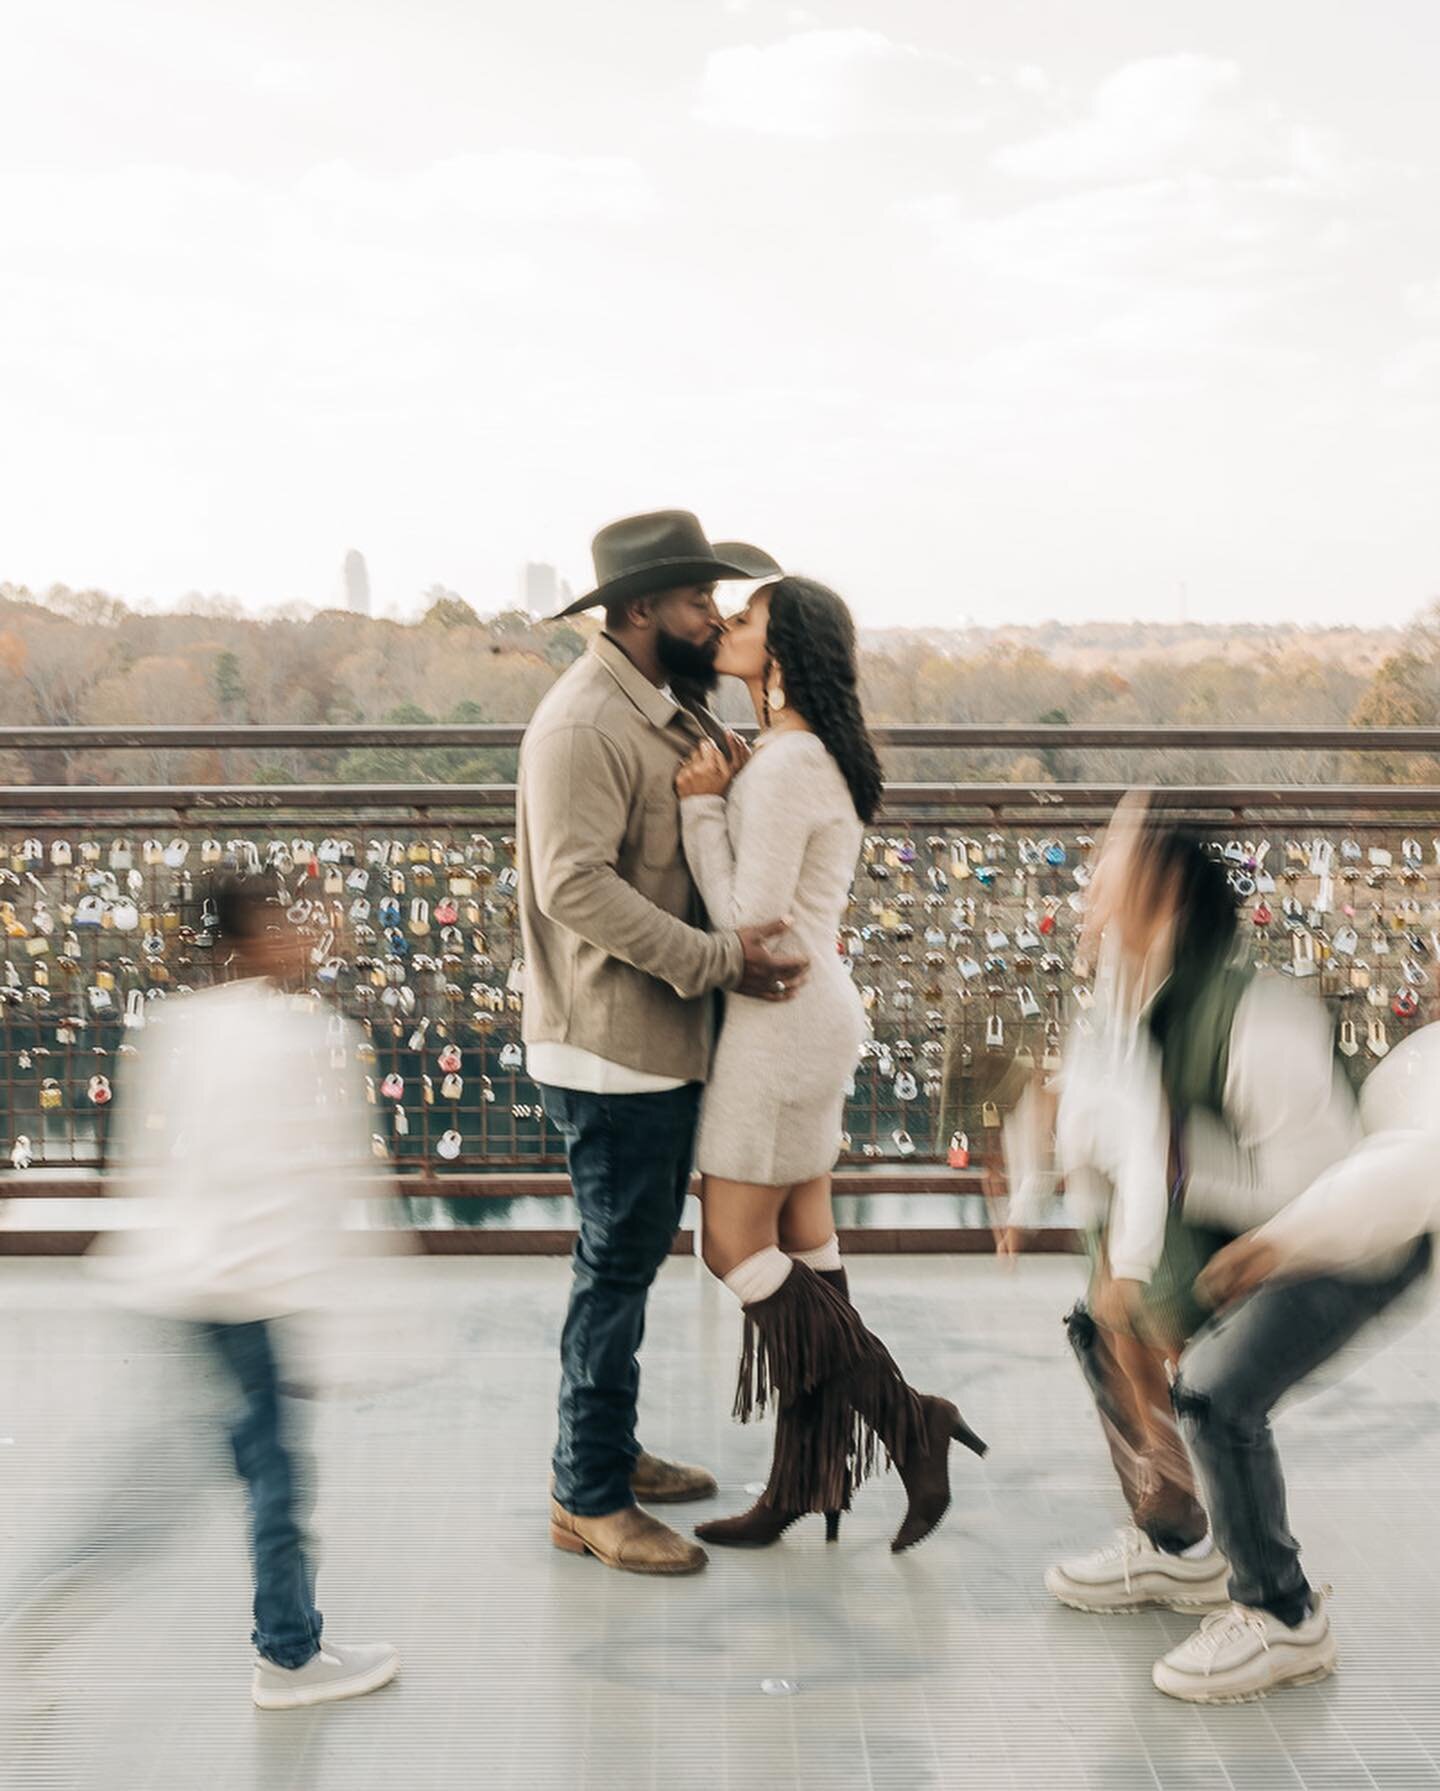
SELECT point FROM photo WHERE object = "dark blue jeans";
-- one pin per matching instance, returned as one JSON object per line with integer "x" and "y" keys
{"x": 1231, "y": 1378}
{"x": 287, "y": 1625}
{"x": 630, "y": 1159}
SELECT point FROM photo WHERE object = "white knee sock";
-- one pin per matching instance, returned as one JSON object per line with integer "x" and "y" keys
{"x": 759, "y": 1275}
{"x": 827, "y": 1256}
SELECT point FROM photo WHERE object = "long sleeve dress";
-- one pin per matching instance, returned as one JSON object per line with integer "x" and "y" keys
{"x": 784, "y": 844}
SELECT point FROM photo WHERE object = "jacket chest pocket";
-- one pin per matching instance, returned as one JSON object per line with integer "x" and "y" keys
{"x": 660, "y": 832}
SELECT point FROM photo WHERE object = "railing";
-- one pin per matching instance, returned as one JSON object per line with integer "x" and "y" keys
{"x": 961, "y": 941}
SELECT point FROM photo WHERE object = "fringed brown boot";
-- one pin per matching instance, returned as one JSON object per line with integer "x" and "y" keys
{"x": 812, "y": 1343}
{"x": 766, "y": 1521}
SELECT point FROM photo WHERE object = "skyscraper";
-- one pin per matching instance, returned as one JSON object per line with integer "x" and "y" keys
{"x": 540, "y": 588}
{"x": 357, "y": 583}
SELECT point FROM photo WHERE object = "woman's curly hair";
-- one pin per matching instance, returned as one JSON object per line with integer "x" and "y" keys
{"x": 811, "y": 637}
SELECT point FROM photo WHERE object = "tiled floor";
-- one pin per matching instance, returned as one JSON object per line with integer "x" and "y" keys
{"x": 831, "y": 1669}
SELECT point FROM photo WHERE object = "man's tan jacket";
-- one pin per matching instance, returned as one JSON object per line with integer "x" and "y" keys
{"x": 616, "y": 958}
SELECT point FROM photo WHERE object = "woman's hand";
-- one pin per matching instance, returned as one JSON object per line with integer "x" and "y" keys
{"x": 1237, "y": 1270}
{"x": 707, "y": 772}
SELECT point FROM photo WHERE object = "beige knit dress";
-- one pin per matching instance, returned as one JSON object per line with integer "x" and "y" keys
{"x": 784, "y": 843}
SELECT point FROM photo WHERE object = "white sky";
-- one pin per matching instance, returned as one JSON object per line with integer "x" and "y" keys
{"x": 992, "y": 311}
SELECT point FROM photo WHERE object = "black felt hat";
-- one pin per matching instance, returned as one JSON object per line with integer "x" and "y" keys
{"x": 662, "y": 551}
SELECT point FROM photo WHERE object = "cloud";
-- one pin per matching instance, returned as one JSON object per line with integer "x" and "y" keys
{"x": 1174, "y": 115}
{"x": 1193, "y": 232}
{"x": 1422, "y": 300}
{"x": 1414, "y": 369}
{"x": 850, "y": 82}
{"x": 210, "y": 280}
{"x": 506, "y": 186}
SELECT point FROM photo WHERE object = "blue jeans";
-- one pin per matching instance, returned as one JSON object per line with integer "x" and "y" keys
{"x": 1231, "y": 1377}
{"x": 630, "y": 1160}
{"x": 287, "y": 1625}
{"x": 142, "y": 1495}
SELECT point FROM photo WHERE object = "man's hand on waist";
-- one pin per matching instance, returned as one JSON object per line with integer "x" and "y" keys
{"x": 769, "y": 976}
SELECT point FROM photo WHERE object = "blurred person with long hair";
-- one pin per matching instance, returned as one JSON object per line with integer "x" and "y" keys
{"x": 1202, "y": 1098}
{"x": 780, "y": 833}
{"x": 236, "y": 1130}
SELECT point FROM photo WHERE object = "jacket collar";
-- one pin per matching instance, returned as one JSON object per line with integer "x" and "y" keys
{"x": 658, "y": 708}
{"x": 652, "y": 702}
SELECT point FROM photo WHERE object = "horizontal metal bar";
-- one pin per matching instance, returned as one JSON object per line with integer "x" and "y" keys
{"x": 1033, "y": 801}
{"x": 254, "y": 798}
{"x": 511, "y": 1184}
{"x": 475, "y": 1240}
{"x": 955, "y": 735}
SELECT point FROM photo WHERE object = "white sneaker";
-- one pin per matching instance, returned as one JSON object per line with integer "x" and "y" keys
{"x": 335, "y": 1672}
{"x": 1239, "y": 1654}
{"x": 1133, "y": 1575}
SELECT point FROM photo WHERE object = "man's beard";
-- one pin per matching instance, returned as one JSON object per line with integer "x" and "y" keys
{"x": 684, "y": 660}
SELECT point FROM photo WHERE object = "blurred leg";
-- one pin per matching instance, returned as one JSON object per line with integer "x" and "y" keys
{"x": 287, "y": 1624}
{"x": 1231, "y": 1378}
{"x": 1132, "y": 1396}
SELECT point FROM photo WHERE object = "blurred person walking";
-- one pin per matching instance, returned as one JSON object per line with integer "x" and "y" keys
{"x": 786, "y": 842}
{"x": 1203, "y": 1098}
{"x": 235, "y": 1131}
{"x": 620, "y": 981}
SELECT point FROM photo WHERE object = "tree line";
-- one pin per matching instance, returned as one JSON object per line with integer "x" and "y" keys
{"x": 70, "y": 658}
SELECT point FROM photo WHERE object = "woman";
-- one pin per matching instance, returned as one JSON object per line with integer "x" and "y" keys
{"x": 1203, "y": 1100}
{"x": 786, "y": 843}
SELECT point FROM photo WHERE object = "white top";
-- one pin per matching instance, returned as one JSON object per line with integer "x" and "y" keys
{"x": 567, "y": 1066}
{"x": 1386, "y": 1191}
{"x": 1289, "y": 1116}
{"x": 238, "y": 1123}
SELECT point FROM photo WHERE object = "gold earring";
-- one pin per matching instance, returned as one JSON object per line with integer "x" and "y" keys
{"x": 775, "y": 691}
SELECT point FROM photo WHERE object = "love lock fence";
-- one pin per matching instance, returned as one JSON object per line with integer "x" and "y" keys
{"x": 960, "y": 935}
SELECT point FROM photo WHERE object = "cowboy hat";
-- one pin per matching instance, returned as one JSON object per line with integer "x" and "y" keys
{"x": 661, "y": 551}
{"x": 755, "y": 560}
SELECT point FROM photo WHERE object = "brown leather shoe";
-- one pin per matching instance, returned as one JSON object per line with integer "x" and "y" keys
{"x": 630, "y": 1540}
{"x": 657, "y": 1482}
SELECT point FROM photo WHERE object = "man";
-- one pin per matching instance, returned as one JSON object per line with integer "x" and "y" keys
{"x": 236, "y": 1130}
{"x": 620, "y": 980}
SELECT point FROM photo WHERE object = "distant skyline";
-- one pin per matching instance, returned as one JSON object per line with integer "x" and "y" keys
{"x": 1002, "y": 314}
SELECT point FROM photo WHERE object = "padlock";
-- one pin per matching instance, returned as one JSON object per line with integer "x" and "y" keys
{"x": 958, "y": 1155}
{"x": 990, "y": 1114}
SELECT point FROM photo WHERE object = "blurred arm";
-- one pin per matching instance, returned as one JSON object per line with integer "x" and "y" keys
{"x": 1383, "y": 1195}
